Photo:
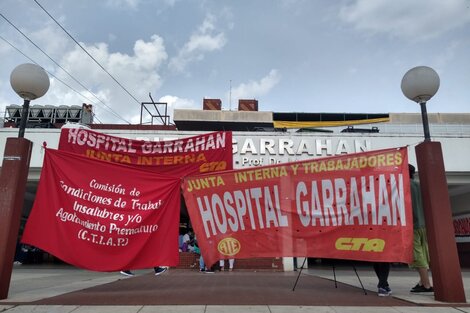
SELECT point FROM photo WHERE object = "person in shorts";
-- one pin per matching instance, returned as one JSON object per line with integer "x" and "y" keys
{"x": 420, "y": 243}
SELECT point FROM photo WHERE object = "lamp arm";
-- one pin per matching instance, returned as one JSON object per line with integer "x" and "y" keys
{"x": 424, "y": 116}
{"x": 24, "y": 118}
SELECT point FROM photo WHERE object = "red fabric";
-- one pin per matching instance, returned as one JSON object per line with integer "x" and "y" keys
{"x": 205, "y": 153}
{"x": 356, "y": 206}
{"x": 104, "y": 216}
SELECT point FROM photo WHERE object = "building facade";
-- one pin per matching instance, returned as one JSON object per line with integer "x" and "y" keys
{"x": 263, "y": 145}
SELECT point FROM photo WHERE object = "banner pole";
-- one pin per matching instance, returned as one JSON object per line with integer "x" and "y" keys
{"x": 360, "y": 281}
{"x": 300, "y": 272}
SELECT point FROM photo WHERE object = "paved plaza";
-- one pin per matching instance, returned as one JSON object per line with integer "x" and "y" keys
{"x": 49, "y": 288}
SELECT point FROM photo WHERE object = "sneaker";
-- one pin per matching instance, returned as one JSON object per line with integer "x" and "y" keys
{"x": 415, "y": 287}
{"x": 202, "y": 270}
{"x": 421, "y": 288}
{"x": 209, "y": 271}
{"x": 383, "y": 292}
{"x": 160, "y": 270}
{"x": 127, "y": 273}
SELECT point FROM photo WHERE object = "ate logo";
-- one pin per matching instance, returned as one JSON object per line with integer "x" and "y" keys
{"x": 229, "y": 246}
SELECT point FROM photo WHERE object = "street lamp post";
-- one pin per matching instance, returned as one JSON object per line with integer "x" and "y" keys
{"x": 30, "y": 81}
{"x": 420, "y": 84}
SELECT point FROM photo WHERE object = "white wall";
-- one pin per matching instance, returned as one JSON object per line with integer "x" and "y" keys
{"x": 262, "y": 148}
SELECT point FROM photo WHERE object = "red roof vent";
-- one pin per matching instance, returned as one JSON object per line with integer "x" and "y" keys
{"x": 247, "y": 105}
{"x": 212, "y": 104}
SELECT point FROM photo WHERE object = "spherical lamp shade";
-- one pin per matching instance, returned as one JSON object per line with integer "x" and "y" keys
{"x": 29, "y": 81}
{"x": 420, "y": 84}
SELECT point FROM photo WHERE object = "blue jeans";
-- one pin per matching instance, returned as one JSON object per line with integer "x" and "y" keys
{"x": 202, "y": 265}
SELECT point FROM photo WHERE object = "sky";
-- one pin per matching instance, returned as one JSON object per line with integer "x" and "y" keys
{"x": 339, "y": 56}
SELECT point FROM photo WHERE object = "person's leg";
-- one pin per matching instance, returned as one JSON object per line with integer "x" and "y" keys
{"x": 20, "y": 254}
{"x": 424, "y": 272}
{"x": 424, "y": 277}
{"x": 222, "y": 264}
{"x": 421, "y": 259}
{"x": 382, "y": 270}
{"x": 202, "y": 266}
{"x": 231, "y": 262}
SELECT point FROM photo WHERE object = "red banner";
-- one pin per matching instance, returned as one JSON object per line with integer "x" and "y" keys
{"x": 103, "y": 216}
{"x": 206, "y": 153}
{"x": 356, "y": 207}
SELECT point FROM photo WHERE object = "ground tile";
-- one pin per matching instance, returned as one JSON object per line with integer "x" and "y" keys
{"x": 364, "y": 309}
{"x": 427, "y": 309}
{"x": 5, "y": 307}
{"x": 237, "y": 309}
{"x": 42, "y": 308}
{"x": 173, "y": 309}
{"x": 108, "y": 309}
{"x": 300, "y": 309}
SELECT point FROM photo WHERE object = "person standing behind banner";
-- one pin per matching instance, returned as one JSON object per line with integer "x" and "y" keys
{"x": 203, "y": 268}
{"x": 180, "y": 240}
{"x": 420, "y": 243}
{"x": 202, "y": 265}
{"x": 188, "y": 241}
{"x": 231, "y": 262}
{"x": 382, "y": 269}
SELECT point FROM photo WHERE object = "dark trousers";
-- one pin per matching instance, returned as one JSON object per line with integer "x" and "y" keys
{"x": 382, "y": 269}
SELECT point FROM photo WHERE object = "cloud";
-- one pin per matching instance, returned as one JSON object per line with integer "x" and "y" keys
{"x": 54, "y": 48}
{"x": 254, "y": 89}
{"x": 417, "y": 20}
{"x": 137, "y": 73}
{"x": 40, "y": 37}
{"x": 202, "y": 41}
{"x": 447, "y": 55}
{"x": 175, "y": 102}
{"x": 133, "y": 4}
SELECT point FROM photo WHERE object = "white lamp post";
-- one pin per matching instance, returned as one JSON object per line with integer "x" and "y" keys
{"x": 29, "y": 81}
{"x": 420, "y": 84}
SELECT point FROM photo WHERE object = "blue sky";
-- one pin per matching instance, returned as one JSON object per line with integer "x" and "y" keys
{"x": 290, "y": 55}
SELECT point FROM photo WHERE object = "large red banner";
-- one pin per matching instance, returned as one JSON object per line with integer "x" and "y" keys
{"x": 355, "y": 206}
{"x": 104, "y": 216}
{"x": 205, "y": 153}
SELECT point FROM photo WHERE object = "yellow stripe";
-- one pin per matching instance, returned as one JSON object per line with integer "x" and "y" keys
{"x": 292, "y": 124}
